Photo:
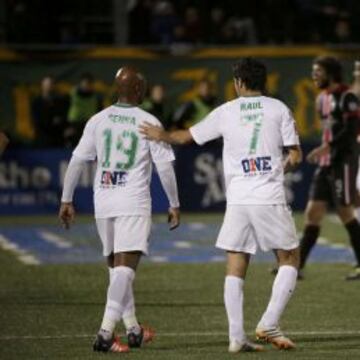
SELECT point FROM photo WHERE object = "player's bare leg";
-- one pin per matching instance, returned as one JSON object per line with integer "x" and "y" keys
{"x": 346, "y": 214}
{"x": 314, "y": 214}
{"x": 237, "y": 264}
{"x": 123, "y": 273}
{"x": 284, "y": 285}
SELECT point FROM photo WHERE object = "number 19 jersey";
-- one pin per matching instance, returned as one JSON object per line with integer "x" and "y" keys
{"x": 255, "y": 130}
{"x": 124, "y": 160}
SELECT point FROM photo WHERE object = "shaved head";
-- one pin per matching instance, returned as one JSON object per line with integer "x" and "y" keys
{"x": 131, "y": 85}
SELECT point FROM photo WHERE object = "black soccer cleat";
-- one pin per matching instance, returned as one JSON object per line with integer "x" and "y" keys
{"x": 354, "y": 275}
{"x": 111, "y": 345}
{"x": 145, "y": 336}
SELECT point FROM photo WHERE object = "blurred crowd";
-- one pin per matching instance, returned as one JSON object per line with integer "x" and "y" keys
{"x": 59, "y": 119}
{"x": 184, "y": 22}
{"x": 245, "y": 22}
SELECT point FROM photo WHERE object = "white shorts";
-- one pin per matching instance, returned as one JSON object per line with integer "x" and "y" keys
{"x": 247, "y": 227}
{"x": 124, "y": 234}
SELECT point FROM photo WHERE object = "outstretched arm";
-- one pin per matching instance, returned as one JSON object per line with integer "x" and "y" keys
{"x": 168, "y": 181}
{"x": 73, "y": 172}
{"x": 176, "y": 137}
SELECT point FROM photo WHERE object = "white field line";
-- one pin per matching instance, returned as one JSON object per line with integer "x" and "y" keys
{"x": 183, "y": 245}
{"x": 21, "y": 254}
{"x": 55, "y": 239}
{"x": 325, "y": 241}
{"x": 179, "y": 334}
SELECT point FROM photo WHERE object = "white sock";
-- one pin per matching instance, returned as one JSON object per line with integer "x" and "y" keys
{"x": 129, "y": 317}
{"x": 121, "y": 278}
{"x": 282, "y": 290}
{"x": 111, "y": 272}
{"x": 357, "y": 214}
{"x": 234, "y": 298}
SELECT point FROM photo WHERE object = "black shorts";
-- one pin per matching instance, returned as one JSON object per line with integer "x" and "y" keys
{"x": 336, "y": 184}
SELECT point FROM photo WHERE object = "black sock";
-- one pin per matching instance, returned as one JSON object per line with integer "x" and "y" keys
{"x": 308, "y": 240}
{"x": 353, "y": 229}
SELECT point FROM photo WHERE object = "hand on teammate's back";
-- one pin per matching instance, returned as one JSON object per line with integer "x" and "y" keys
{"x": 173, "y": 218}
{"x": 150, "y": 131}
{"x": 66, "y": 214}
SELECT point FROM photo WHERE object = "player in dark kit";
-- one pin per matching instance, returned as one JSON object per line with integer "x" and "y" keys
{"x": 334, "y": 179}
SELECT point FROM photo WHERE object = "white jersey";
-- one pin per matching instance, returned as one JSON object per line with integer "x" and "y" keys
{"x": 255, "y": 130}
{"x": 124, "y": 160}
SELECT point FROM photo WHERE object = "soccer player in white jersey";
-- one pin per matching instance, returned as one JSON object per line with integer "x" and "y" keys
{"x": 122, "y": 199}
{"x": 255, "y": 129}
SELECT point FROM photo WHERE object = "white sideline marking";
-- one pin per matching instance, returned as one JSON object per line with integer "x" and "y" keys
{"x": 55, "y": 239}
{"x": 179, "y": 334}
{"x": 21, "y": 254}
{"x": 159, "y": 259}
{"x": 218, "y": 258}
{"x": 197, "y": 225}
{"x": 183, "y": 245}
{"x": 323, "y": 241}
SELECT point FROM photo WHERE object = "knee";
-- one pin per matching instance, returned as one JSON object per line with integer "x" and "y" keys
{"x": 234, "y": 270}
{"x": 313, "y": 215}
{"x": 346, "y": 214}
{"x": 289, "y": 257}
{"x": 110, "y": 260}
{"x": 237, "y": 264}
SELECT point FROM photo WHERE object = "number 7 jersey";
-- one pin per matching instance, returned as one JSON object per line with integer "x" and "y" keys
{"x": 255, "y": 131}
{"x": 124, "y": 160}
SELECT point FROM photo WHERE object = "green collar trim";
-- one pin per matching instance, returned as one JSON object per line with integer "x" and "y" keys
{"x": 123, "y": 105}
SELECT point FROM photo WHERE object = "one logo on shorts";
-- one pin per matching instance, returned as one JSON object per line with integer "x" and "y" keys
{"x": 256, "y": 166}
{"x": 113, "y": 178}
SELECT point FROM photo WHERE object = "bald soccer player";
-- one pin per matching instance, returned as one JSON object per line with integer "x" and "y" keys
{"x": 122, "y": 199}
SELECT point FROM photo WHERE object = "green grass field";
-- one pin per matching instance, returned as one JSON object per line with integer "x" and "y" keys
{"x": 53, "y": 311}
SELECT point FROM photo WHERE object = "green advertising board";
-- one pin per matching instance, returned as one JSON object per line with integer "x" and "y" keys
{"x": 289, "y": 77}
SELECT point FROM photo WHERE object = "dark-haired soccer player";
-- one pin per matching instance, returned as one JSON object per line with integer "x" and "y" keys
{"x": 255, "y": 129}
{"x": 334, "y": 179}
{"x": 122, "y": 199}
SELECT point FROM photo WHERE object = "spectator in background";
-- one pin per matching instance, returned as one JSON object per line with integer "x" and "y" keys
{"x": 139, "y": 21}
{"x": 193, "y": 111}
{"x": 181, "y": 45}
{"x": 163, "y": 23}
{"x": 193, "y": 25}
{"x": 84, "y": 103}
{"x": 155, "y": 104}
{"x": 49, "y": 115}
{"x": 215, "y": 26}
{"x": 342, "y": 30}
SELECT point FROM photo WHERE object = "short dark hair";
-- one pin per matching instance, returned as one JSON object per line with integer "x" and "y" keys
{"x": 331, "y": 65}
{"x": 251, "y": 72}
